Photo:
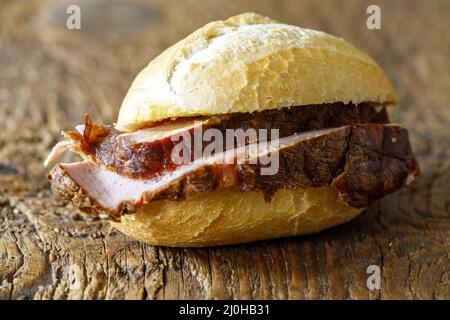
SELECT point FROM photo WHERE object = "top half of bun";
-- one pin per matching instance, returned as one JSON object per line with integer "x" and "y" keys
{"x": 250, "y": 63}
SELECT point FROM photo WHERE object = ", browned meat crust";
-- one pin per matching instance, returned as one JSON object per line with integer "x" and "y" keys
{"x": 362, "y": 162}
{"x": 64, "y": 186}
{"x": 143, "y": 160}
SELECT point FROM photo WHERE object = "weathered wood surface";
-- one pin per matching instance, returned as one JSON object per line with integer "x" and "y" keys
{"x": 50, "y": 76}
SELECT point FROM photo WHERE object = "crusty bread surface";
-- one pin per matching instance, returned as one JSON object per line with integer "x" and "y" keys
{"x": 229, "y": 216}
{"x": 250, "y": 63}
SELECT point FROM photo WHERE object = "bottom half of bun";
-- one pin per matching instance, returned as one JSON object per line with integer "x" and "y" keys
{"x": 229, "y": 216}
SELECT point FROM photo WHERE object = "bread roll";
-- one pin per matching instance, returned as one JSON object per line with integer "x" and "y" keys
{"x": 245, "y": 64}
{"x": 229, "y": 216}
{"x": 250, "y": 63}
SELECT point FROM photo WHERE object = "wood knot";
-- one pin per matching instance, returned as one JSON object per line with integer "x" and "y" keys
{"x": 8, "y": 170}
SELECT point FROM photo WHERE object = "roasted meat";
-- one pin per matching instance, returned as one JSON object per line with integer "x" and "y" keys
{"x": 147, "y": 152}
{"x": 362, "y": 162}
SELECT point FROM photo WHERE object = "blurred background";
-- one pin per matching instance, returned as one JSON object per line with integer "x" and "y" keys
{"x": 50, "y": 76}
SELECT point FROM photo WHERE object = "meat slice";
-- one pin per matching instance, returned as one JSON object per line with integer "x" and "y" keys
{"x": 147, "y": 152}
{"x": 362, "y": 162}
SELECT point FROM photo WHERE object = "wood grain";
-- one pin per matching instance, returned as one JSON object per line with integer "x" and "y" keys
{"x": 51, "y": 76}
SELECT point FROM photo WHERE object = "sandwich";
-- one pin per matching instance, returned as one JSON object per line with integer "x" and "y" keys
{"x": 247, "y": 129}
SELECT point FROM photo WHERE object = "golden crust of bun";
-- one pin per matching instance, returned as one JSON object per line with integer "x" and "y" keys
{"x": 251, "y": 63}
{"x": 229, "y": 216}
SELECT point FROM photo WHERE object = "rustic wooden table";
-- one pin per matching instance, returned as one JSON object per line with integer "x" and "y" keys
{"x": 51, "y": 76}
